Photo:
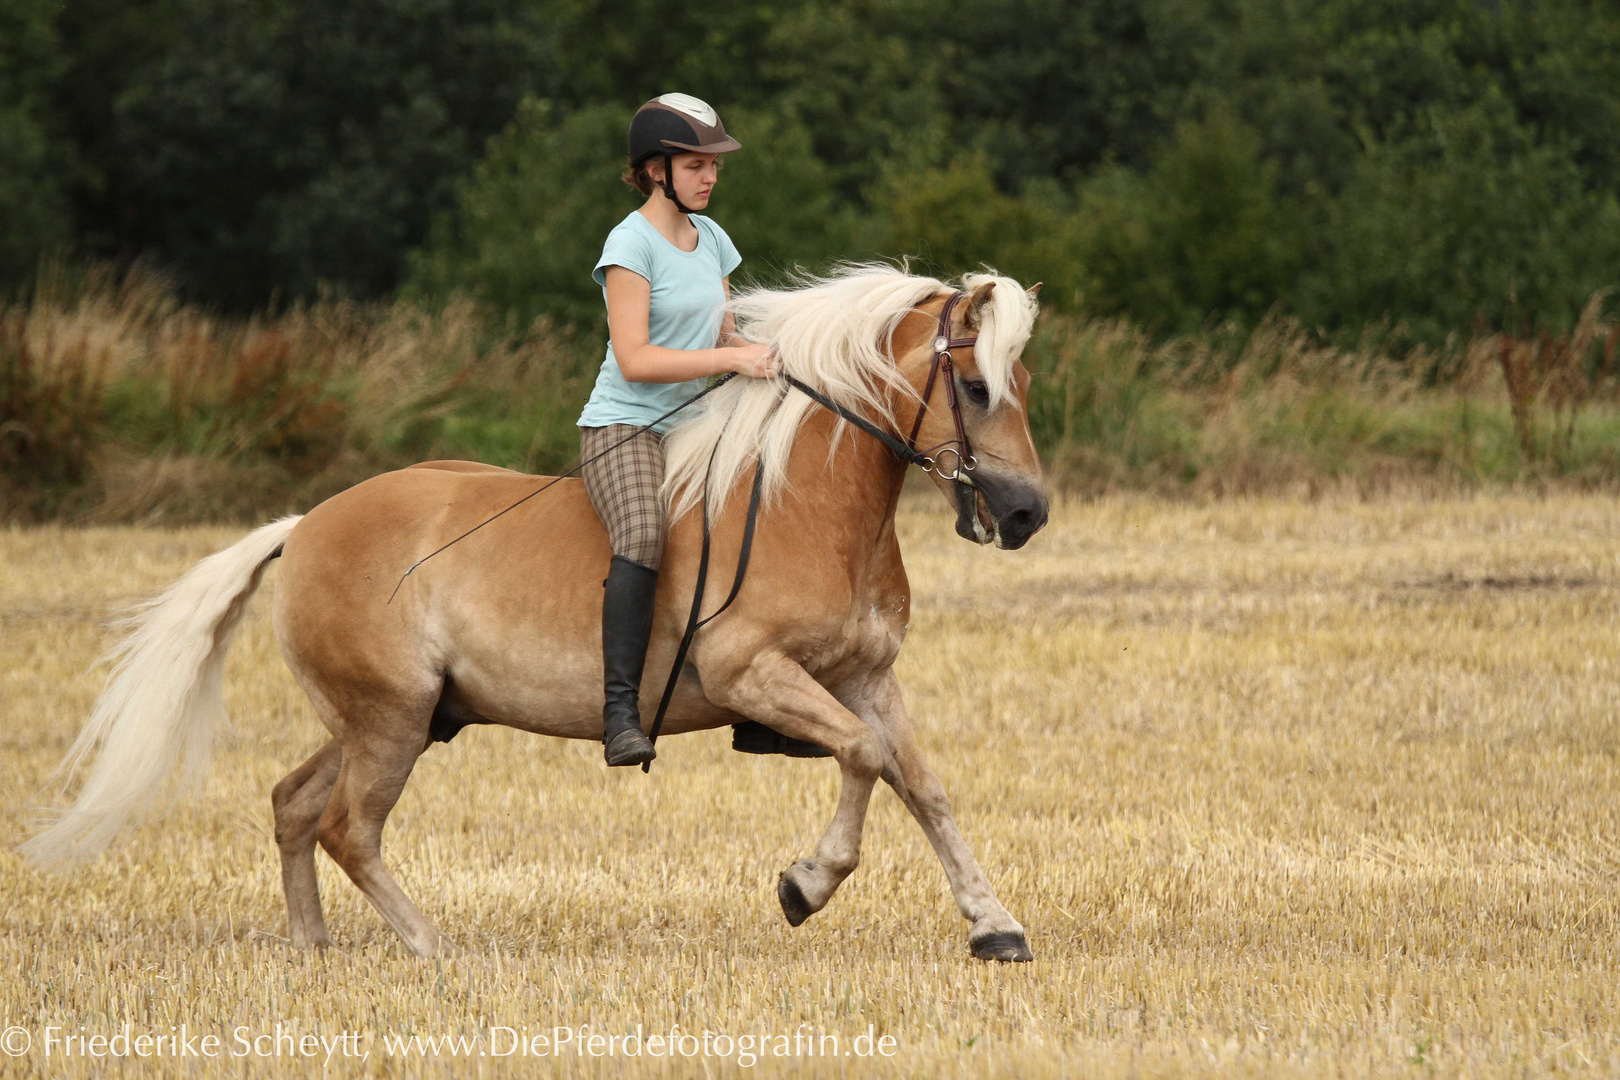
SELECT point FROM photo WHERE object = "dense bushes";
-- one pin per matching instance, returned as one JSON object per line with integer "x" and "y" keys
{"x": 1446, "y": 164}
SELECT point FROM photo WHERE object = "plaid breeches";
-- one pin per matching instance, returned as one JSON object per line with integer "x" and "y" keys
{"x": 623, "y": 487}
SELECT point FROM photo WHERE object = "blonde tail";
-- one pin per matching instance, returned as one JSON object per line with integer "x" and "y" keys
{"x": 162, "y": 700}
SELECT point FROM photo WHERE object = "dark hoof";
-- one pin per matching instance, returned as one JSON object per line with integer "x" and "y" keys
{"x": 1007, "y": 946}
{"x": 630, "y": 747}
{"x": 794, "y": 905}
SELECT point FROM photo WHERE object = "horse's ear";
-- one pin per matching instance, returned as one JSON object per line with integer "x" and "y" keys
{"x": 976, "y": 300}
{"x": 1034, "y": 290}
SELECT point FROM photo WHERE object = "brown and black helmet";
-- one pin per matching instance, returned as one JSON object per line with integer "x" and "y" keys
{"x": 677, "y": 124}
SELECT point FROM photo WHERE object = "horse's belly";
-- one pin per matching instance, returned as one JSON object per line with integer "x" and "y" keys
{"x": 504, "y": 625}
{"x": 564, "y": 697}
{"x": 531, "y": 656}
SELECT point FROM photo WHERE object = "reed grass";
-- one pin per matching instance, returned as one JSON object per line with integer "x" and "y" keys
{"x": 1277, "y": 410}
{"x": 171, "y": 413}
{"x": 118, "y": 403}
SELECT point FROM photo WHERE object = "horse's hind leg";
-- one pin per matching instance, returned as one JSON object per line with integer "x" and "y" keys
{"x": 298, "y": 802}
{"x": 376, "y": 765}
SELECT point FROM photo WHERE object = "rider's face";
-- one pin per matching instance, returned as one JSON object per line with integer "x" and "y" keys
{"x": 694, "y": 176}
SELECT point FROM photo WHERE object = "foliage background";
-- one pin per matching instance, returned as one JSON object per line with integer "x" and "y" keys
{"x": 1445, "y": 164}
{"x": 265, "y": 249}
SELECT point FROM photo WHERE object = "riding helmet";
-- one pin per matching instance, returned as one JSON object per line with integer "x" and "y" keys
{"x": 675, "y": 124}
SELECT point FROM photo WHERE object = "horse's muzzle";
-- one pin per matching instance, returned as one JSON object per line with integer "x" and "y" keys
{"x": 1005, "y": 510}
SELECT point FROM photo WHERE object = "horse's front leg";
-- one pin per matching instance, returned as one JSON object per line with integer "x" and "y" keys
{"x": 780, "y": 694}
{"x": 995, "y": 934}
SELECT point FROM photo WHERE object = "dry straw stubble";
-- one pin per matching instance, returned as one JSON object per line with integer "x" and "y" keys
{"x": 1279, "y": 789}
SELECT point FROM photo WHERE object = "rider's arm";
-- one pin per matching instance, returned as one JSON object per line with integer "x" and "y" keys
{"x": 728, "y": 325}
{"x": 629, "y": 298}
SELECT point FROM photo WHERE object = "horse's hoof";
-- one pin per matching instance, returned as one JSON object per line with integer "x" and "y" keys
{"x": 791, "y": 897}
{"x": 1008, "y": 946}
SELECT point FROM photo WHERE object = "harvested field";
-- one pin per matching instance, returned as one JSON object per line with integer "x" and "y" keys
{"x": 1278, "y": 788}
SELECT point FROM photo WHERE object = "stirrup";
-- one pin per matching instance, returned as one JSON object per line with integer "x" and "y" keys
{"x": 750, "y": 737}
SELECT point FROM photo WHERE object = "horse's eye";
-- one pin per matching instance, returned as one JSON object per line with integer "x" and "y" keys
{"x": 977, "y": 391}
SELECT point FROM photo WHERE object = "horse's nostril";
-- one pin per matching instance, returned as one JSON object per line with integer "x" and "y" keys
{"x": 1023, "y": 522}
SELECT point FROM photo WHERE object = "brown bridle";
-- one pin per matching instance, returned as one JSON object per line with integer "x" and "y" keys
{"x": 943, "y": 344}
{"x": 907, "y": 451}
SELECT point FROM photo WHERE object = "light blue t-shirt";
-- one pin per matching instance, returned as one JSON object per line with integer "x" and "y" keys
{"x": 685, "y": 312}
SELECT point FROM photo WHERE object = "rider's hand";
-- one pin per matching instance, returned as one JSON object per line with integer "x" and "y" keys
{"x": 754, "y": 361}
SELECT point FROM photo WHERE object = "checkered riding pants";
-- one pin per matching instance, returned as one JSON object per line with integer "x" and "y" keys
{"x": 623, "y": 487}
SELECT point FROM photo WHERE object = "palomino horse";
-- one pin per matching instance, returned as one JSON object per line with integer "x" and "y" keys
{"x": 504, "y": 627}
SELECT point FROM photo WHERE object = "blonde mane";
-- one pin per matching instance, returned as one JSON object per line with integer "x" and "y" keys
{"x": 832, "y": 333}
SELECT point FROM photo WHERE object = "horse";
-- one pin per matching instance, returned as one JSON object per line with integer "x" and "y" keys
{"x": 503, "y": 627}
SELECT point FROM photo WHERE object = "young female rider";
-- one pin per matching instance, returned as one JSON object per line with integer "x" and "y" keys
{"x": 665, "y": 273}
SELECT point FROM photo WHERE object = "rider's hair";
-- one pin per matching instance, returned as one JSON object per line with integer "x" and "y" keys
{"x": 638, "y": 177}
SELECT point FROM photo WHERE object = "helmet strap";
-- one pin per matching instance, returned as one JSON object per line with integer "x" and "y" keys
{"x": 668, "y": 184}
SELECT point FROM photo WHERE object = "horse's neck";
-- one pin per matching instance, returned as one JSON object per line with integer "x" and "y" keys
{"x": 849, "y": 504}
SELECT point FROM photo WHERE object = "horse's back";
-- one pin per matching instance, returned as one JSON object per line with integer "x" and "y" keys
{"x": 341, "y": 565}
{"x": 510, "y": 612}
{"x": 455, "y": 465}
{"x": 362, "y": 540}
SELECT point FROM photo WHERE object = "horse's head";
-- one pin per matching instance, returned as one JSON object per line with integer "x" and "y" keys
{"x": 981, "y": 396}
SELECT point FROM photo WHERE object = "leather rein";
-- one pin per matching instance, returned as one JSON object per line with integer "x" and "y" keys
{"x": 907, "y": 451}
{"x": 927, "y": 461}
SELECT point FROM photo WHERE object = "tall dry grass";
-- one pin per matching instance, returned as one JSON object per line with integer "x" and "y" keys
{"x": 1276, "y": 409}
{"x": 118, "y": 403}
{"x": 1280, "y": 789}
{"x": 155, "y": 410}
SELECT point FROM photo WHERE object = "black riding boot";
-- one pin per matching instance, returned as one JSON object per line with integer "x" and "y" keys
{"x": 627, "y": 611}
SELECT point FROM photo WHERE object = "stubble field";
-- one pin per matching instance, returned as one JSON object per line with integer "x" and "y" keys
{"x": 1277, "y": 788}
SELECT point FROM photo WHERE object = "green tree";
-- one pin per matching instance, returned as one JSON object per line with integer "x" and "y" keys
{"x": 778, "y": 201}
{"x": 1204, "y": 234}
{"x": 1162, "y": 156}
{"x": 1052, "y": 88}
{"x": 529, "y": 224}
{"x": 955, "y": 219}
{"x": 279, "y": 145}
{"x": 34, "y": 213}
{"x": 1468, "y": 218}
